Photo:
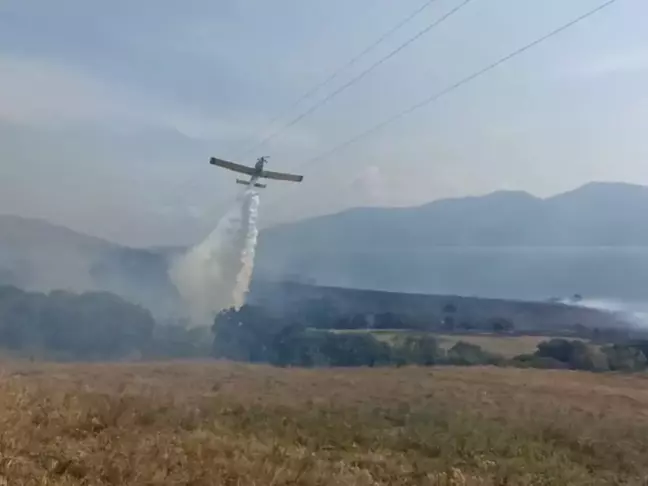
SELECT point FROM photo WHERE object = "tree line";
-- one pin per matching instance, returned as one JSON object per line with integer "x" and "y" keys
{"x": 321, "y": 313}
{"x": 250, "y": 334}
{"x": 92, "y": 325}
{"x": 67, "y": 326}
{"x": 103, "y": 326}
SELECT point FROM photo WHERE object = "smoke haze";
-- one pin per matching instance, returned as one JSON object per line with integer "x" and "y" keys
{"x": 216, "y": 273}
{"x": 635, "y": 313}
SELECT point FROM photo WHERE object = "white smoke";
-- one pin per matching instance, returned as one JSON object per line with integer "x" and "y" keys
{"x": 633, "y": 313}
{"x": 215, "y": 274}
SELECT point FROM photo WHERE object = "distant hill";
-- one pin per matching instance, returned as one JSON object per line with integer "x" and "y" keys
{"x": 292, "y": 301}
{"x": 37, "y": 255}
{"x": 592, "y": 240}
{"x": 41, "y": 254}
{"x": 598, "y": 214}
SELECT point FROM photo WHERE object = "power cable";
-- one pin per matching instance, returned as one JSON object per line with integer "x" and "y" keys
{"x": 438, "y": 95}
{"x": 191, "y": 180}
{"x": 459, "y": 83}
{"x": 359, "y": 77}
{"x": 345, "y": 66}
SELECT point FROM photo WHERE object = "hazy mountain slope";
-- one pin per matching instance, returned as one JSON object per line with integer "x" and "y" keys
{"x": 598, "y": 214}
{"x": 593, "y": 240}
{"x": 37, "y": 255}
{"x": 42, "y": 256}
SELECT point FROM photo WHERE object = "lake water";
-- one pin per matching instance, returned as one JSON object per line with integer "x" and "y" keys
{"x": 619, "y": 274}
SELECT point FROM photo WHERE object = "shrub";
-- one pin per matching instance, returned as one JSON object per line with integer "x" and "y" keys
{"x": 92, "y": 325}
{"x": 576, "y": 354}
{"x": 624, "y": 358}
{"x": 468, "y": 354}
{"x": 539, "y": 362}
{"x": 423, "y": 350}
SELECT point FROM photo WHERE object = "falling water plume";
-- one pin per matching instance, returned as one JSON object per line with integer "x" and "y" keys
{"x": 215, "y": 274}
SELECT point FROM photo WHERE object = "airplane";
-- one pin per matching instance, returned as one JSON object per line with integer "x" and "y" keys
{"x": 257, "y": 172}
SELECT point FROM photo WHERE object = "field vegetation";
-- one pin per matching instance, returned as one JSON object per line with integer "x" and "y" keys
{"x": 507, "y": 346}
{"x": 251, "y": 334}
{"x": 319, "y": 406}
{"x": 238, "y": 424}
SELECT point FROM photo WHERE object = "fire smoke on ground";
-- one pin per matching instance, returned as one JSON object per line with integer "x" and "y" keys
{"x": 215, "y": 274}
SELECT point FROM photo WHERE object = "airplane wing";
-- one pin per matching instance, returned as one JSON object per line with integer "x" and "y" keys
{"x": 280, "y": 176}
{"x": 232, "y": 166}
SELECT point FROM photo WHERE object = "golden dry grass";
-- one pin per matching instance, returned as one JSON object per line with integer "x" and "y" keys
{"x": 219, "y": 423}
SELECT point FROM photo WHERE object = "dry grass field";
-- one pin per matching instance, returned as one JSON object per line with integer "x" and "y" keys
{"x": 227, "y": 424}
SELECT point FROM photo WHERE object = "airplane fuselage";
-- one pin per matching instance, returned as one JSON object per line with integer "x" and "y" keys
{"x": 258, "y": 167}
{"x": 256, "y": 175}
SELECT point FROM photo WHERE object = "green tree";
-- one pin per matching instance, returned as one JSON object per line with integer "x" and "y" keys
{"x": 421, "y": 350}
{"x": 625, "y": 358}
{"x": 245, "y": 334}
{"x": 559, "y": 349}
{"x": 468, "y": 354}
{"x": 589, "y": 358}
{"x": 92, "y": 325}
{"x": 502, "y": 325}
{"x": 355, "y": 349}
{"x": 296, "y": 345}
{"x": 576, "y": 354}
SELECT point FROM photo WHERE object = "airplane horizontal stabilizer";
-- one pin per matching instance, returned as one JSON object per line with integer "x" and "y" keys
{"x": 247, "y": 183}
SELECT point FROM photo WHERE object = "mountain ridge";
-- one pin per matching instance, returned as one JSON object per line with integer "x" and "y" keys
{"x": 42, "y": 256}
{"x": 507, "y": 244}
{"x": 501, "y": 218}
{"x": 11, "y": 224}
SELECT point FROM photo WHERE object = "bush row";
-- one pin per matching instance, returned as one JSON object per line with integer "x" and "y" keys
{"x": 250, "y": 335}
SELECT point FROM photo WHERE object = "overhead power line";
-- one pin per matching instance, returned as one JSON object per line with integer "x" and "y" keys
{"x": 436, "y": 96}
{"x": 345, "y": 66}
{"x": 359, "y": 77}
{"x": 440, "y": 94}
{"x": 192, "y": 180}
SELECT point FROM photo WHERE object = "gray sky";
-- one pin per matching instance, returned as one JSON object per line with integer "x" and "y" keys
{"x": 109, "y": 111}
